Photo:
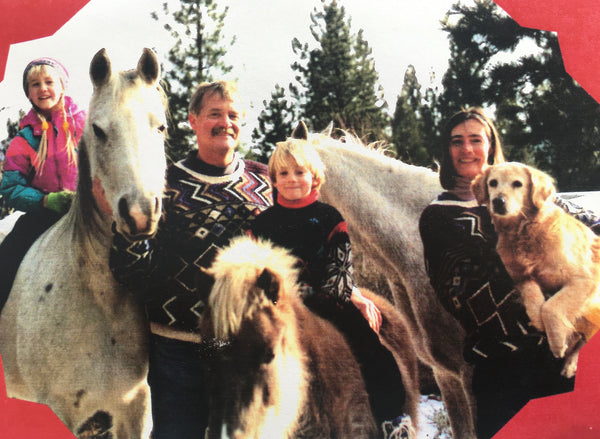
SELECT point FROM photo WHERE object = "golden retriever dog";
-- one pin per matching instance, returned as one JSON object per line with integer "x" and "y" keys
{"x": 553, "y": 258}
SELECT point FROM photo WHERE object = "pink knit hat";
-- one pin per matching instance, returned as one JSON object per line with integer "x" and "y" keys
{"x": 62, "y": 72}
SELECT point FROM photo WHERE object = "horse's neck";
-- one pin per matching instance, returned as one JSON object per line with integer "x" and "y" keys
{"x": 354, "y": 178}
{"x": 90, "y": 230}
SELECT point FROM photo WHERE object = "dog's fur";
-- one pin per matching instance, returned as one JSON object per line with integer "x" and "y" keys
{"x": 548, "y": 253}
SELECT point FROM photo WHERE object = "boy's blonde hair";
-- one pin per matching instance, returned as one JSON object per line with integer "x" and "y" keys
{"x": 301, "y": 153}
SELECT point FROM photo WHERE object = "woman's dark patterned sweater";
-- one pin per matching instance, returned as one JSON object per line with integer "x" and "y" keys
{"x": 470, "y": 279}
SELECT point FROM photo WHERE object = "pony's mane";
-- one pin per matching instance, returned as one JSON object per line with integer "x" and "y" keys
{"x": 236, "y": 270}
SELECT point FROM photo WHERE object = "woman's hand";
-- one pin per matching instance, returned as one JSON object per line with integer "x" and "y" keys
{"x": 368, "y": 309}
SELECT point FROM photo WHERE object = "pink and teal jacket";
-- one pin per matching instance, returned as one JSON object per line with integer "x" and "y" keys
{"x": 22, "y": 186}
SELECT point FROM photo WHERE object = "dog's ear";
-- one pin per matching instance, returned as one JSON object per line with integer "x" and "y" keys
{"x": 542, "y": 187}
{"x": 479, "y": 187}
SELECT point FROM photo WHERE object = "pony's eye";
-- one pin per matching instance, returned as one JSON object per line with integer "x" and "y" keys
{"x": 493, "y": 183}
{"x": 517, "y": 184}
{"x": 161, "y": 129}
{"x": 99, "y": 132}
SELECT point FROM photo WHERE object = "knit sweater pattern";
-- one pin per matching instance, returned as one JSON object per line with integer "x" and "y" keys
{"x": 317, "y": 234}
{"x": 201, "y": 214}
{"x": 470, "y": 280}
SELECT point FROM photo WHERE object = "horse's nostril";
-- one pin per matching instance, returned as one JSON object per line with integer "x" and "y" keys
{"x": 123, "y": 208}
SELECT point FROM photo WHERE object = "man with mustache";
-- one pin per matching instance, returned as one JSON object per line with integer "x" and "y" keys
{"x": 210, "y": 197}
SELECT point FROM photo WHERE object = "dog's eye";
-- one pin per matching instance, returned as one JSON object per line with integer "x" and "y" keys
{"x": 493, "y": 183}
{"x": 517, "y": 184}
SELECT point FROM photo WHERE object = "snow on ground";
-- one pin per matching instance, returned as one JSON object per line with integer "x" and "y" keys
{"x": 433, "y": 420}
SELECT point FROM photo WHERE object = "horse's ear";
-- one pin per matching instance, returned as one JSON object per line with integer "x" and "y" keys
{"x": 300, "y": 132}
{"x": 100, "y": 68}
{"x": 148, "y": 67}
{"x": 269, "y": 283}
{"x": 327, "y": 131}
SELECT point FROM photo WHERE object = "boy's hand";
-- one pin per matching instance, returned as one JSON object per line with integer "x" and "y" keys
{"x": 367, "y": 308}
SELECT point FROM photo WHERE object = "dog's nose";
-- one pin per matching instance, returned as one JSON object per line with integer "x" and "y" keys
{"x": 499, "y": 205}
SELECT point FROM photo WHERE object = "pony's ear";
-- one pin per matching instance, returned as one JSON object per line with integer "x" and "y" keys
{"x": 300, "y": 132}
{"x": 542, "y": 186}
{"x": 148, "y": 67}
{"x": 100, "y": 68}
{"x": 327, "y": 131}
{"x": 479, "y": 187}
{"x": 269, "y": 283}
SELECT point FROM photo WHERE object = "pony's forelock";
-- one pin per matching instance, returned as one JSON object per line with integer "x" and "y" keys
{"x": 236, "y": 270}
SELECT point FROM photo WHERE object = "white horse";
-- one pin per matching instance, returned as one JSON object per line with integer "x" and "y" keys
{"x": 381, "y": 199}
{"x": 70, "y": 336}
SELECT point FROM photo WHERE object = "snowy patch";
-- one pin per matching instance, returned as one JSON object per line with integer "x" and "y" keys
{"x": 433, "y": 419}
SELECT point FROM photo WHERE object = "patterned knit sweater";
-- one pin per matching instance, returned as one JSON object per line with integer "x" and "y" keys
{"x": 317, "y": 234}
{"x": 201, "y": 213}
{"x": 470, "y": 279}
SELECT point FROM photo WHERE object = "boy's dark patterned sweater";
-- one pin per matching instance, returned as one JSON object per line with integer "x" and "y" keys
{"x": 201, "y": 213}
{"x": 317, "y": 234}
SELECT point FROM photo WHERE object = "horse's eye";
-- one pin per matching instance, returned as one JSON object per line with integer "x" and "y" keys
{"x": 517, "y": 184}
{"x": 493, "y": 183}
{"x": 100, "y": 134}
{"x": 161, "y": 129}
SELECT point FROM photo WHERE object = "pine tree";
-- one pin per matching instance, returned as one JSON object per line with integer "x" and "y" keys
{"x": 337, "y": 81}
{"x": 195, "y": 57}
{"x": 545, "y": 118}
{"x": 275, "y": 124}
{"x": 406, "y": 124}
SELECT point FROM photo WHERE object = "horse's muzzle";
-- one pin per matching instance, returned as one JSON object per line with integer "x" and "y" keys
{"x": 139, "y": 219}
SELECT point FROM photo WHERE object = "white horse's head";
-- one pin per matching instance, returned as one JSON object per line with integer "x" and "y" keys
{"x": 122, "y": 150}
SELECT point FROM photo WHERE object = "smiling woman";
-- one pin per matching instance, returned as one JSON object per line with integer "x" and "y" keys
{"x": 512, "y": 361}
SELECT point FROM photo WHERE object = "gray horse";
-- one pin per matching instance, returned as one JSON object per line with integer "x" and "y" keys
{"x": 382, "y": 199}
{"x": 70, "y": 337}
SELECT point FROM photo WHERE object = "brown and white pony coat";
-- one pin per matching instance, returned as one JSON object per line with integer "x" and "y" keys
{"x": 279, "y": 370}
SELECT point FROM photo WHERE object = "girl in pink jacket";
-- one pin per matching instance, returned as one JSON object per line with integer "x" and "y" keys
{"x": 40, "y": 169}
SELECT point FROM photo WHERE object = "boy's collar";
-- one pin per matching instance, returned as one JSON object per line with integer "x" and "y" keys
{"x": 297, "y": 204}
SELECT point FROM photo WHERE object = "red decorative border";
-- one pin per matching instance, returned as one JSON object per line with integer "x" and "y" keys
{"x": 576, "y": 23}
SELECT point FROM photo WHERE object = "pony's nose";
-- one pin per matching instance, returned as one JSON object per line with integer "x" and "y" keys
{"x": 499, "y": 205}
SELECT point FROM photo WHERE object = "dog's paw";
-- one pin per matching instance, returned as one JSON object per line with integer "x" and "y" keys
{"x": 570, "y": 367}
{"x": 558, "y": 345}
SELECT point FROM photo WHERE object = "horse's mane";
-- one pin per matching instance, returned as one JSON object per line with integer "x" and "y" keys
{"x": 236, "y": 270}
{"x": 378, "y": 151}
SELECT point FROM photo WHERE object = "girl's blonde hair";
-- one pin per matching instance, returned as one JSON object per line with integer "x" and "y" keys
{"x": 299, "y": 152}
{"x": 42, "y": 153}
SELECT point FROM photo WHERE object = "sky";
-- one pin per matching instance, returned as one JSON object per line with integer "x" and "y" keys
{"x": 400, "y": 32}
